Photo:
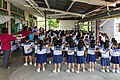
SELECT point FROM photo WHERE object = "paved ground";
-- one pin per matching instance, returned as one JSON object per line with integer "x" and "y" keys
{"x": 20, "y": 72}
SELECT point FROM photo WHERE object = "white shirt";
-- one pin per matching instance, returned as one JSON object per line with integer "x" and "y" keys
{"x": 43, "y": 51}
{"x": 27, "y": 46}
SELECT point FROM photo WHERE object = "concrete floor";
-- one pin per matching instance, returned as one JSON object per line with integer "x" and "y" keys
{"x": 20, "y": 72}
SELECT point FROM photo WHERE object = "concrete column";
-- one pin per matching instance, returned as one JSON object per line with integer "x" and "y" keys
{"x": 9, "y": 22}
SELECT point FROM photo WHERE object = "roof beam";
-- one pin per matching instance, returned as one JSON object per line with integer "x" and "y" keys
{"x": 70, "y": 6}
{"x": 55, "y": 10}
{"x": 46, "y": 2}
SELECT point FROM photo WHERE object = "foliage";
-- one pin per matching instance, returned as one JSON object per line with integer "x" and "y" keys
{"x": 52, "y": 23}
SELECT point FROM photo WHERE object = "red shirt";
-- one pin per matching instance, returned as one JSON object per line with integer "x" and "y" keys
{"x": 5, "y": 39}
{"x": 25, "y": 33}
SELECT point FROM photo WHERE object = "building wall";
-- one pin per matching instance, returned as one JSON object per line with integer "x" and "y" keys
{"x": 109, "y": 28}
{"x": 116, "y": 31}
{"x": 67, "y": 24}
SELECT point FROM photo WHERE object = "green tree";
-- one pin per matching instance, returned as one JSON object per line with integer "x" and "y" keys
{"x": 52, "y": 23}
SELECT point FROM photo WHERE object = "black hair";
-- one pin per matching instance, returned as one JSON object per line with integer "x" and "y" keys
{"x": 106, "y": 44}
{"x": 92, "y": 43}
{"x": 25, "y": 28}
{"x": 30, "y": 29}
{"x": 41, "y": 44}
{"x": 26, "y": 38}
{"x": 80, "y": 45}
{"x": 4, "y": 30}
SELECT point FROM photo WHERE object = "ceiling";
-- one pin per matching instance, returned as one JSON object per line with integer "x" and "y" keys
{"x": 70, "y": 9}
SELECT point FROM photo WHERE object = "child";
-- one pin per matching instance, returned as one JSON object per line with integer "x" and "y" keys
{"x": 57, "y": 56}
{"x": 80, "y": 57}
{"x": 91, "y": 56}
{"x": 41, "y": 55}
{"x": 48, "y": 47}
{"x": 115, "y": 58}
{"x": 105, "y": 57}
{"x": 70, "y": 58}
{"x": 27, "y": 46}
{"x": 48, "y": 52}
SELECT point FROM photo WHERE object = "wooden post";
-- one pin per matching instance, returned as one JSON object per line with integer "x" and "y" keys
{"x": 45, "y": 19}
{"x": 88, "y": 26}
{"x": 9, "y": 22}
{"x": 91, "y": 25}
{"x": 97, "y": 31}
{"x": 9, "y": 29}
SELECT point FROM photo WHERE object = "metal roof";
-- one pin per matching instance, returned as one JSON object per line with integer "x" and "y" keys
{"x": 74, "y": 9}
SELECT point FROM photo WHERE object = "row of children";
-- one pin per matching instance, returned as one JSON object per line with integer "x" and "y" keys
{"x": 79, "y": 53}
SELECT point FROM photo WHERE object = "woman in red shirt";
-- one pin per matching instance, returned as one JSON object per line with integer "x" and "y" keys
{"x": 5, "y": 39}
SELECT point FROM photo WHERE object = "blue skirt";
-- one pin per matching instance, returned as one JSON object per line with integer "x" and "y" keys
{"x": 115, "y": 60}
{"x": 49, "y": 55}
{"x": 35, "y": 54}
{"x": 57, "y": 58}
{"x": 80, "y": 59}
{"x": 41, "y": 58}
{"x": 70, "y": 58}
{"x": 28, "y": 54}
{"x": 91, "y": 58}
{"x": 105, "y": 62}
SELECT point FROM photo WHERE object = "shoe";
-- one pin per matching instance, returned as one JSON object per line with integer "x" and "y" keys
{"x": 117, "y": 71}
{"x": 43, "y": 69}
{"x": 58, "y": 70}
{"x": 102, "y": 70}
{"x": 25, "y": 64}
{"x": 89, "y": 70}
{"x": 68, "y": 71}
{"x": 49, "y": 62}
{"x": 113, "y": 70}
{"x": 107, "y": 70}
{"x": 83, "y": 70}
{"x": 34, "y": 64}
{"x": 72, "y": 70}
{"x": 77, "y": 71}
{"x": 30, "y": 63}
{"x": 54, "y": 71}
{"x": 92, "y": 70}
{"x": 38, "y": 70}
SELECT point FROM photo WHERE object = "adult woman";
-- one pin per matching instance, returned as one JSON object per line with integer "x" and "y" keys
{"x": 25, "y": 32}
{"x": 5, "y": 39}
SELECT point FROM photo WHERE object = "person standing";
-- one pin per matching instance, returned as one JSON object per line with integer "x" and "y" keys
{"x": 5, "y": 39}
{"x": 25, "y": 32}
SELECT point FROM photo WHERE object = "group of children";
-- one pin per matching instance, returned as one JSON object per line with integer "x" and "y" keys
{"x": 76, "y": 47}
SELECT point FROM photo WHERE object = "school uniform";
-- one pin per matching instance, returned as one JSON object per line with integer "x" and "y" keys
{"x": 70, "y": 57}
{"x": 40, "y": 55}
{"x": 57, "y": 54}
{"x": 115, "y": 56}
{"x": 48, "y": 52}
{"x": 105, "y": 57}
{"x": 91, "y": 57}
{"x": 26, "y": 46}
{"x": 80, "y": 56}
